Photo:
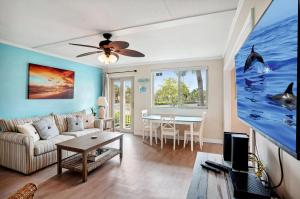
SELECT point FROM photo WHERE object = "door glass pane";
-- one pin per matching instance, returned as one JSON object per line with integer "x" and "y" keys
{"x": 116, "y": 102}
{"x": 127, "y": 104}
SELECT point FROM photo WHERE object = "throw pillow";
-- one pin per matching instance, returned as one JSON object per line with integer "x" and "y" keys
{"x": 75, "y": 124}
{"x": 46, "y": 128}
{"x": 88, "y": 121}
{"x": 28, "y": 129}
{"x": 61, "y": 120}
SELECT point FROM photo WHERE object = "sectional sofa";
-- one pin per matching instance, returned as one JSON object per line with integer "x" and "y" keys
{"x": 20, "y": 153}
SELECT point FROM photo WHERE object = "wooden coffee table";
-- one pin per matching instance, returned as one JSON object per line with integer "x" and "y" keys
{"x": 82, "y": 146}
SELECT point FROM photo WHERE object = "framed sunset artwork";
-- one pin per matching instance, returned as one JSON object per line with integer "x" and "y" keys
{"x": 50, "y": 83}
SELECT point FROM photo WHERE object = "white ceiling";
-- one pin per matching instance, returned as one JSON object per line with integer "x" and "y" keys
{"x": 163, "y": 30}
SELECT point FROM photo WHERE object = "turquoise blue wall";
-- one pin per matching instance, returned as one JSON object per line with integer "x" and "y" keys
{"x": 14, "y": 77}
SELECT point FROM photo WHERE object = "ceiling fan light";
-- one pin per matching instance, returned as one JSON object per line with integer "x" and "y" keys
{"x": 102, "y": 57}
{"x": 112, "y": 58}
{"x": 107, "y": 59}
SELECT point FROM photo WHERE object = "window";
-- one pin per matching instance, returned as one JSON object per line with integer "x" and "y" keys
{"x": 180, "y": 88}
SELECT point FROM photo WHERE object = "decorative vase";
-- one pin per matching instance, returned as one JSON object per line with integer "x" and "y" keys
{"x": 102, "y": 112}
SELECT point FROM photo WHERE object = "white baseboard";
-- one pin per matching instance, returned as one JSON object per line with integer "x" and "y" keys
{"x": 206, "y": 140}
{"x": 213, "y": 140}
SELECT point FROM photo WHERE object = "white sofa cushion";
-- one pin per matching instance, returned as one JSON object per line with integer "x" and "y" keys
{"x": 81, "y": 133}
{"x": 45, "y": 146}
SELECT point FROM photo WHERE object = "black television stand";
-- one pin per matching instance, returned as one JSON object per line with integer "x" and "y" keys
{"x": 208, "y": 184}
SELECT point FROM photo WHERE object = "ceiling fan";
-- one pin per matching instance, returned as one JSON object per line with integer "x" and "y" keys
{"x": 109, "y": 50}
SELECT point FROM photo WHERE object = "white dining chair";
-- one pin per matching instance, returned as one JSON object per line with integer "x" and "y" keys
{"x": 198, "y": 133}
{"x": 146, "y": 126}
{"x": 168, "y": 128}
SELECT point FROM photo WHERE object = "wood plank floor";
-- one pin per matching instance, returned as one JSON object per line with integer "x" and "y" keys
{"x": 145, "y": 172}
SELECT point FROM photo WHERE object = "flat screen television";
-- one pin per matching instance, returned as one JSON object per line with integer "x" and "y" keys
{"x": 266, "y": 76}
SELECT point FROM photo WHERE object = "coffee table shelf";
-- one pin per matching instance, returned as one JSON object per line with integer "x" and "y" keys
{"x": 74, "y": 162}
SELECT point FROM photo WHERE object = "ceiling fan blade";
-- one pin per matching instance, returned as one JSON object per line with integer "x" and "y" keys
{"x": 118, "y": 45}
{"x": 89, "y": 53}
{"x": 84, "y": 45}
{"x": 130, "y": 53}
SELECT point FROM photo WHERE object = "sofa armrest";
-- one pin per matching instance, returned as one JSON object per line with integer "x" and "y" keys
{"x": 16, "y": 151}
{"x": 99, "y": 124}
{"x": 16, "y": 138}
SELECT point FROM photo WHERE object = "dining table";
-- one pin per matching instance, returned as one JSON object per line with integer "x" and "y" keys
{"x": 183, "y": 120}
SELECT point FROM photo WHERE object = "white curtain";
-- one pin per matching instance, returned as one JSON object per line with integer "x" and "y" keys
{"x": 104, "y": 84}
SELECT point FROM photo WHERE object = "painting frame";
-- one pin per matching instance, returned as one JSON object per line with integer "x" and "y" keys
{"x": 47, "y": 82}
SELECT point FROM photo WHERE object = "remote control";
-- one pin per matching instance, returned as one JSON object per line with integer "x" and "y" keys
{"x": 218, "y": 166}
{"x": 210, "y": 168}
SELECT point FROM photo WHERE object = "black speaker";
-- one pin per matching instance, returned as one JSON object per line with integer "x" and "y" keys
{"x": 239, "y": 151}
{"x": 227, "y": 144}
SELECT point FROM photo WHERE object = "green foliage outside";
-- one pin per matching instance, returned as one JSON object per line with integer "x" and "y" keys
{"x": 117, "y": 118}
{"x": 127, "y": 119}
{"x": 168, "y": 94}
{"x": 127, "y": 95}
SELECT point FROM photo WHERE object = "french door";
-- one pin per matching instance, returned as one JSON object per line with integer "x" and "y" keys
{"x": 122, "y": 103}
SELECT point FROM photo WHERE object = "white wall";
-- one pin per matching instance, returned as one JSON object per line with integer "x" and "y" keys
{"x": 291, "y": 167}
{"x": 213, "y": 130}
{"x": 267, "y": 150}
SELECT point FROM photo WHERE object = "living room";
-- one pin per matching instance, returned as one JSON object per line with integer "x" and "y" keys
{"x": 133, "y": 99}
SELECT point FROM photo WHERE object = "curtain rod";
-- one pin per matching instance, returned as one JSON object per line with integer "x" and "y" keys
{"x": 128, "y": 71}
